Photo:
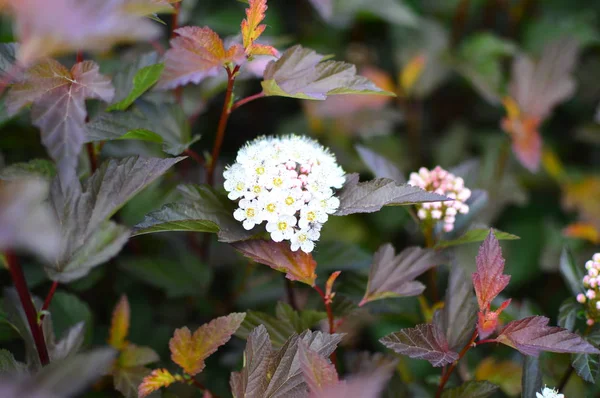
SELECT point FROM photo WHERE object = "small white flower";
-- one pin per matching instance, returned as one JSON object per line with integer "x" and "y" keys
{"x": 249, "y": 213}
{"x": 304, "y": 240}
{"x": 549, "y": 393}
{"x": 282, "y": 228}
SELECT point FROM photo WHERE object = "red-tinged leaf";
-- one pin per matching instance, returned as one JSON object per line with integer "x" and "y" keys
{"x": 329, "y": 294}
{"x": 488, "y": 320}
{"x": 119, "y": 326}
{"x": 298, "y": 266}
{"x": 58, "y": 96}
{"x": 532, "y": 335}
{"x": 489, "y": 279}
{"x": 195, "y": 54}
{"x": 189, "y": 351}
{"x": 317, "y": 370}
{"x": 49, "y": 28}
{"x": 523, "y": 130}
{"x": 155, "y": 381}
{"x": 367, "y": 385}
{"x": 252, "y": 29}
{"x": 393, "y": 275}
{"x": 425, "y": 341}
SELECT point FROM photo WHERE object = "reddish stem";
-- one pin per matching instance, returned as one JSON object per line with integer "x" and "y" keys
{"x": 244, "y": 101}
{"x": 210, "y": 171}
{"x": 91, "y": 151}
{"x": 49, "y": 296}
{"x": 446, "y": 375}
{"x": 79, "y": 57}
{"x": 194, "y": 155}
{"x": 289, "y": 289}
{"x": 327, "y": 308}
{"x": 27, "y": 303}
{"x": 480, "y": 342}
{"x": 175, "y": 19}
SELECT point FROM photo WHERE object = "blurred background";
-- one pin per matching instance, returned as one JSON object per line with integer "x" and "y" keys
{"x": 450, "y": 62}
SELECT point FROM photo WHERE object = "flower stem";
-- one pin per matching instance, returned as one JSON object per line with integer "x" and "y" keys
{"x": 175, "y": 18}
{"x": 210, "y": 171}
{"x": 244, "y": 101}
{"x": 446, "y": 375}
{"x": 49, "y": 297}
{"x": 432, "y": 273}
{"x": 26, "y": 301}
{"x": 327, "y": 308}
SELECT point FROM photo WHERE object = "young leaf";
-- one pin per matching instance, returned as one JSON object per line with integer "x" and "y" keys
{"x": 207, "y": 211}
{"x": 119, "y": 325}
{"x": 489, "y": 279}
{"x": 567, "y": 313}
{"x": 251, "y": 381}
{"x": 26, "y": 221}
{"x": 471, "y": 389}
{"x": 143, "y": 80}
{"x": 380, "y": 166}
{"x": 317, "y": 370}
{"x": 300, "y": 73}
{"x": 58, "y": 96}
{"x": 532, "y": 335}
{"x": 252, "y": 29}
{"x": 155, "y": 381}
{"x": 371, "y": 196}
{"x": 425, "y": 341}
{"x": 531, "y": 380}
{"x": 133, "y": 356}
{"x": 189, "y": 351}
{"x": 393, "y": 275}
{"x": 475, "y": 235}
{"x": 85, "y": 25}
{"x": 298, "y": 266}
{"x": 368, "y": 385}
{"x": 195, "y": 54}
{"x": 587, "y": 366}
{"x": 571, "y": 272}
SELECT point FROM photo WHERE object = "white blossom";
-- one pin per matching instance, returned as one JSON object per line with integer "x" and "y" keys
{"x": 290, "y": 183}
{"x": 549, "y": 393}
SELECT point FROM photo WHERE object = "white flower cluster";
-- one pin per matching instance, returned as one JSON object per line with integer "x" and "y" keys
{"x": 591, "y": 283}
{"x": 288, "y": 182}
{"x": 444, "y": 183}
{"x": 549, "y": 393}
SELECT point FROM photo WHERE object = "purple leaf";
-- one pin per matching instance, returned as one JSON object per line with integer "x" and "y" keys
{"x": 425, "y": 341}
{"x": 363, "y": 385}
{"x": 489, "y": 279}
{"x": 318, "y": 371}
{"x": 379, "y": 165}
{"x": 532, "y": 335}
{"x": 393, "y": 275}
{"x": 371, "y": 196}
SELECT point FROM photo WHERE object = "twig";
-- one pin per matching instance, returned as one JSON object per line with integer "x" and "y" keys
{"x": 244, "y": 101}
{"x": 91, "y": 151}
{"x": 289, "y": 289}
{"x": 327, "y": 308}
{"x": 194, "y": 155}
{"x": 49, "y": 297}
{"x": 448, "y": 373}
{"x": 175, "y": 18}
{"x": 26, "y": 301}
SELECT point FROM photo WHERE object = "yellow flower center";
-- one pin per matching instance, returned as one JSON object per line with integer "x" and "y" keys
{"x": 260, "y": 170}
{"x": 277, "y": 181}
{"x": 302, "y": 238}
{"x": 256, "y": 189}
{"x": 271, "y": 207}
{"x": 250, "y": 212}
{"x": 289, "y": 201}
{"x": 310, "y": 216}
{"x": 282, "y": 225}
{"x": 239, "y": 186}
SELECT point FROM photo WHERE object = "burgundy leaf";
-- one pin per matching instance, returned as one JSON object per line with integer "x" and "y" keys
{"x": 425, "y": 341}
{"x": 489, "y": 279}
{"x": 318, "y": 371}
{"x": 363, "y": 385}
{"x": 298, "y": 266}
{"x": 532, "y": 335}
{"x": 393, "y": 275}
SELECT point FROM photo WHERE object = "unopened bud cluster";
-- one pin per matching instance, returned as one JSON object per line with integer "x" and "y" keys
{"x": 591, "y": 283}
{"x": 288, "y": 182}
{"x": 444, "y": 183}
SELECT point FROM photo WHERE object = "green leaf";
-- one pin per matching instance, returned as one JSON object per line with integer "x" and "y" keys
{"x": 69, "y": 344}
{"x": 36, "y": 168}
{"x": 300, "y": 73}
{"x": 581, "y": 26}
{"x": 145, "y": 78}
{"x": 127, "y": 380}
{"x": 587, "y": 366}
{"x": 67, "y": 310}
{"x": 8, "y": 364}
{"x": 209, "y": 211}
{"x": 343, "y": 12}
{"x": 472, "y": 389}
{"x": 142, "y": 135}
{"x": 126, "y": 73}
{"x": 572, "y": 273}
{"x": 8, "y": 52}
{"x": 531, "y": 380}
{"x": 567, "y": 314}
{"x": 475, "y": 235}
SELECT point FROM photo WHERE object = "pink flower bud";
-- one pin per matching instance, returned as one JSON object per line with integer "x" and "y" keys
{"x": 436, "y": 214}
{"x": 581, "y": 298}
{"x": 422, "y": 213}
{"x": 448, "y": 227}
{"x": 596, "y": 257}
{"x": 590, "y": 294}
{"x": 589, "y": 322}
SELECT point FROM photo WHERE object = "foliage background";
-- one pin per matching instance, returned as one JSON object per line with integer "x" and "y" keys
{"x": 168, "y": 286}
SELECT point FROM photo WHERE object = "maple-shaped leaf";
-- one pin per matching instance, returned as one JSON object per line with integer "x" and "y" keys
{"x": 393, "y": 275}
{"x": 367, "y": 385}
{"x": 119, "y": 325}
{"x": 84, "y": 25}
{"x": 302, "y": 73}
{"x": 195, "y": 54}
{"x": 317, "y": 370}
{"x": 532, "y": 335}
{"x": 252, "y": 29}
{"x": 425, "y": 341}
{"x": 535, "y": 89}
{"x": 155, "y": 381}
{"x": 371, "y": 196}
{"x": 58, "y": 96}
{"x": 190, "y": 350}
{"x": 489, "y": 280}
{"x": 298, "y": 266}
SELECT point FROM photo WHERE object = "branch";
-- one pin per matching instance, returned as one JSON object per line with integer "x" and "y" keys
{"x": 244, "y": 101}
{"x": 446, "y": 375}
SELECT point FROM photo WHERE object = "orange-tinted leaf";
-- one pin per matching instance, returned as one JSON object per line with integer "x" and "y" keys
{"x": 582, "y": 196}
{"x": 189, "y": 351}
{"x": 489, "y": 279}
{"x": 553, "y": 165}
{"x": 119, "y": 326}
{"x": 488, "y": 320}
{"x": 411, "y": 72}
{"x": 155, "y": 381}
{"x": 584, "y": 231}
{"x": 133, "y": 356}
{"x": 298, "y": 266}
{"x": 49, "y": 28}
{"x": 526, "y": 140}
{"x": 252, "y": 29}
{"x": 506, "y": 374}
{"x": 329, "y": 286}
{"x": 196, "y": 53}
